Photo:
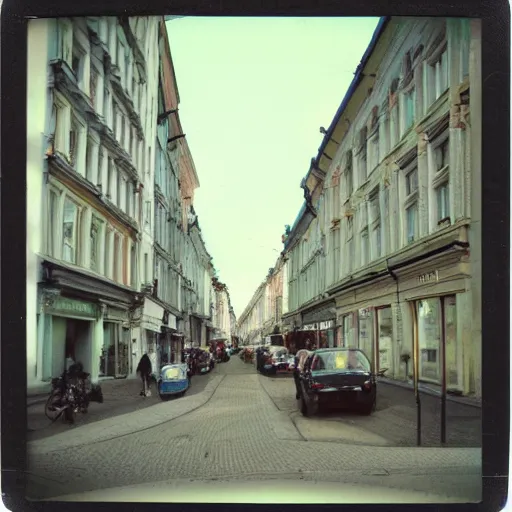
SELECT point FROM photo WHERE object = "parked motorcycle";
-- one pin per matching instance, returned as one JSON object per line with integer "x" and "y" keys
{"x": 71, "y": 393}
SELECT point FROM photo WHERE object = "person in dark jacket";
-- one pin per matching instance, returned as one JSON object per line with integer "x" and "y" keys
{"x": 144, "y": 370}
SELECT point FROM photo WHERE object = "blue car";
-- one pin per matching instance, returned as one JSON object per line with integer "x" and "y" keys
{"x": 174, "y": 380}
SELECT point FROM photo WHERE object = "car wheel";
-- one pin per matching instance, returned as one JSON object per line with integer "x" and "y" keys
{"x": 164, "y": 398}
{"x": 366, "y": 410}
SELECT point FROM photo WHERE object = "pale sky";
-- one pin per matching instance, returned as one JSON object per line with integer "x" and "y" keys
{"x": 254, "y": 93}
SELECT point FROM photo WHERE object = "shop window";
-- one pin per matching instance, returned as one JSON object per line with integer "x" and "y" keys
{"x": 70, "y": 231}
{"x": 365, "y": 332}
{"x": 385, "y": 339}
{"x": 429, "y": 339}
{"x": 451, "y": 351}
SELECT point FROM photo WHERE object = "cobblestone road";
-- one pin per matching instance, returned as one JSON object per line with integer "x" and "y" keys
{"x": 240, "y": 433}
{"x": 394, "y": 420}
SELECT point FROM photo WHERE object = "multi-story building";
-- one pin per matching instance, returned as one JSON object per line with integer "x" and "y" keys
{"x": 221, "y": 317}
{"x": 382, "y": 246}
{"x": 263, "y": 314}
{"x": 88, "y": 176}
{"x": 115, "y": 259}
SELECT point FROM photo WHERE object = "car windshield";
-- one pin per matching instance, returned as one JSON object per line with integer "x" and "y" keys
{"x": 340, "y": 360}
{"x": 173, "y": 373}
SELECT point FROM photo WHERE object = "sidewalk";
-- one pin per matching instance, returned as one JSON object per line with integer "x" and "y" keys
{"x": 121, "y": 425}
{"x": 432, "y": 390}
{"x": 109, "y": 386}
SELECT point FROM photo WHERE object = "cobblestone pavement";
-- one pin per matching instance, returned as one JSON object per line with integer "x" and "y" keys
{"x": 240, "y": 433}
{"x": 121, "y": 396}
{"x": 394, "y": 419}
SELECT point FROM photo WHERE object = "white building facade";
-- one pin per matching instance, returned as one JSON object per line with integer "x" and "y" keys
{"x": 386, "y": 252}
{"x": 95, "y": 288}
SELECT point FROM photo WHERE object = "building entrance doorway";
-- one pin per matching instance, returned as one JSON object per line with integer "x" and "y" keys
{"x": 78, "y": 343}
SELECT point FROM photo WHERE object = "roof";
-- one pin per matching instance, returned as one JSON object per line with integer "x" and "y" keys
{"x": 383, "y": 22}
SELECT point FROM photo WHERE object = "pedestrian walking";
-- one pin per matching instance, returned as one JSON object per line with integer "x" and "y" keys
{"x": 144, "y": 370}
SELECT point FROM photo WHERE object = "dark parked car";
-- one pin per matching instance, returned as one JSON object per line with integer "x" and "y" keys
{"x": 335, "y": 378}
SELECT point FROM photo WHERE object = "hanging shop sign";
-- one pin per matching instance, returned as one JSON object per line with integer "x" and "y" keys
{"x": 63, "y": 306}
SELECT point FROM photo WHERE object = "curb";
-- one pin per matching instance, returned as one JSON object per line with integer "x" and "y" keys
{"x": 124, "y": 424}
{"x": 471, "y": 402}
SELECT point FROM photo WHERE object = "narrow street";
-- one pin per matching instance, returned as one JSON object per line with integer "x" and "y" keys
{"x": 234, "y": 430}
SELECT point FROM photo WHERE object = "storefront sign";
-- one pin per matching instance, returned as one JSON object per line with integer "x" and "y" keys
{"x": 326, "y": 325}
{"x": 116, "y": 315}
{"x": 428, "y": 277}
{"x": 72, "y": 307}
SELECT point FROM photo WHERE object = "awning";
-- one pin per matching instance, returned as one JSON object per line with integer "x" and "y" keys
{"x": 323, "y": 313}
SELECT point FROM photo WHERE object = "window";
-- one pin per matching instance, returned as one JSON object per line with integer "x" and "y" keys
{"x": 376, "y": 249}
{"x": 62, "y": 125}
{"x": 442, "y": 154}
{"x": 385, "y": 220}
{"x": 78, "y": 64}
{"x": 70, "y": 231}
{"x": 350, "y": 244}
{"x": 411, "y": 182}
{"x": 99, "y": 177}
{"x": 94, "y": 241}
{"x": 349, "y": 177}
{"x": 65, "y": 41}
{"x": 107, "y": 106}
{"x": 74, "y": 143}
{"x": 107, "y": 256}
{"x": 117, "y": 266}
{"x": 92, "y": 161}
{"x": 374, "y": 151}
{"x": 365, "y": 249}
{"x": 362, "y": 169}
{"x": 50, "y": 221}
{"x": 128, "y": 200}
{"x": 133, "y": 265}
{"x": 110, "y": 178}
{"x": 412, "y": 222}
{"x": 443, "y": 203}
{"x": 122, "y": 193}
{"x": 123, "y": 131}
{"x": 146, "y": 268}
{"x": 410, "y": 108}
{"x": 437, "y": 74}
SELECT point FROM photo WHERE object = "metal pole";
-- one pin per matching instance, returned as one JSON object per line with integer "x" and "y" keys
{"x": 443, "y": 375}
{"x": 416, "y": 371}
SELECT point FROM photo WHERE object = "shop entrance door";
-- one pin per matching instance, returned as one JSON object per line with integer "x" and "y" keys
{"x": 78, "y": 342}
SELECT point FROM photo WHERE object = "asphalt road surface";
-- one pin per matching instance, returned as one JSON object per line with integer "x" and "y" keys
{"x": 249, "y": 427}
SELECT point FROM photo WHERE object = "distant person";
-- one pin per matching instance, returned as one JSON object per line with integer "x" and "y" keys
{"x": 144, "y": 370}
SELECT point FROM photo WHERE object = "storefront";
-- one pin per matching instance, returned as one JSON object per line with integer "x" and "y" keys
{"x": 66, "y": 329}
{"x": 384, "y": 349}
{"x": 321, "y": 320}
{"x": 115, "y": 359}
